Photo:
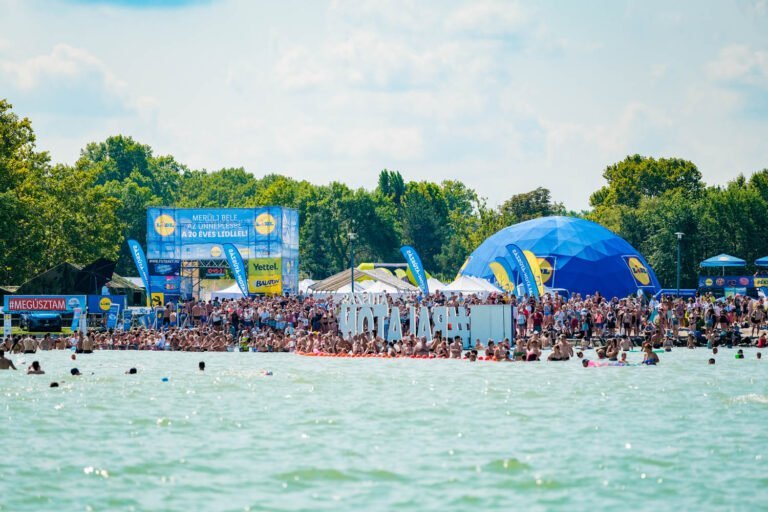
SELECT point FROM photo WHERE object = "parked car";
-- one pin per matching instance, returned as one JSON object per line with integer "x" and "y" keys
{"x": 41, "y": 322}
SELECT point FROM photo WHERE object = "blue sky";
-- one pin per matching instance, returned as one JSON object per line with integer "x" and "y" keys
{"x": 503, "y": 95}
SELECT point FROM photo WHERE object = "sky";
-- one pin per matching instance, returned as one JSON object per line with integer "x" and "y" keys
{"x": 505, "y": 96}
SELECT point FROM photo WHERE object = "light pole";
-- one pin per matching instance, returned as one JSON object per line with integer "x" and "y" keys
{"x": 679, "y": 236}
{"x": 352, "y": 235}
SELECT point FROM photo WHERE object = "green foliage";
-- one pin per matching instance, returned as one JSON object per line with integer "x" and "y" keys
{"x": 53, "y": 213}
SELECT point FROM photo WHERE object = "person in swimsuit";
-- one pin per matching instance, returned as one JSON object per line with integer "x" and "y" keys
{"x": 649, "y": 357}
{"x": 5, "y": 364}
{"x": 34, "y": 369}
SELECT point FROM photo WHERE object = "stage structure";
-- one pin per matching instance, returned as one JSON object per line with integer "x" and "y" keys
{"x": 183, "y": 245}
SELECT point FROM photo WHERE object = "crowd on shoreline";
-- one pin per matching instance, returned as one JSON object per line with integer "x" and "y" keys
{"x": 310, "y": 324}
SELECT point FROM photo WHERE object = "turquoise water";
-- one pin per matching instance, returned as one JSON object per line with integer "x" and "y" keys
{"x": 351, "y": 434}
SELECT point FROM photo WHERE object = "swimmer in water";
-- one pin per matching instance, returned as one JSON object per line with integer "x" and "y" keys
{"x": 54, "y": 384}
{"x": 5, "y": 363}
{"x": 623, "y": 360}
{"x": 131, "y": 371}
{"x": 650, "y": 357}
{"x": 759, "y": 355}
{"x": 740, "y": 354}
{"x": 585, "y": 362}
{"x": 201, "y": 366}
{"x": 711, "y": 360}
{"x": 75, "y": 372}
{"x": 714, "y": 351}
{"x": 34, "y": 369}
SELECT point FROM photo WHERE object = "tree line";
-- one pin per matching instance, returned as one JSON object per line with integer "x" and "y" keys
{"x": 79, "y": 212}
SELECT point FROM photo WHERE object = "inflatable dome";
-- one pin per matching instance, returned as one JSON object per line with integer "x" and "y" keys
{"x": 574, "y": 254}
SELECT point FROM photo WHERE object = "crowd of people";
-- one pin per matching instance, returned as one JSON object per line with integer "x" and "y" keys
{"x": 310, "y": 324}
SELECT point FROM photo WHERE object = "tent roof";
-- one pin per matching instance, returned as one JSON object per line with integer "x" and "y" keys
{"x": 337, "y": 281}
{"x": 435, "y": 285}
{"x": 723, "y": 260}
{"x": 762, "y": 262}
{"x": 465, "y": 283}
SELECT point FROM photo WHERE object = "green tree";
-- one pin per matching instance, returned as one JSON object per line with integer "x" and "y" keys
{"x": 637, "y": 177}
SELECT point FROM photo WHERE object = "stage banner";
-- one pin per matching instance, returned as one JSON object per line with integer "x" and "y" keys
{"x": 416, "y": 268}
{"x": 264, "y": 276}
{"x": 199, "y": 233}
{"x": 525, "y": 269}
{"x": 64, "y": 303}
{"x": 237, "y": 266}
{"x": 732, "y": 282}
{"x": 157, "y": 299}
{"x": 101, "y": 304}
{"x": 140, "y": 259}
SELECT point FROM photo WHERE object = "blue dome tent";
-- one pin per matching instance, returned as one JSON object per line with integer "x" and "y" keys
{"x": 573, "y": 254}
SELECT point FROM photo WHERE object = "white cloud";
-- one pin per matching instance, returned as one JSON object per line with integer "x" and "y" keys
{"x": 488, "y": 18}
{"x": 70, "y": 70}
{"x": 740, "y": 64}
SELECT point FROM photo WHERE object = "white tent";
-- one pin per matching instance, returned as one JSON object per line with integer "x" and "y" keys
{"x": 469, "y": 284}
{"x": 486, "y": 284}
{"x": 233, "y": 292}
{"x": 435, "y": 285}
{"x": 379, "y": 287}
{"x": 304, "y": 285}
{"x": 360, "y": 286}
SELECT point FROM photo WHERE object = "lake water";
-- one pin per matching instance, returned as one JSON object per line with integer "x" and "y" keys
{"x": 373, "y": 434}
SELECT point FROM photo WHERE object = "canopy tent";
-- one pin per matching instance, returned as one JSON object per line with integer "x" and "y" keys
{"x": 722, "y": 261}
{"x": 434, "y": 285}
{"x": 379, "y": 287}
{"x": 762, "y": 262}
{"x": 469, "y": 284}
{"x": 573, "y": 254}
{"x": 232, "y": 292}
{"x": 341, "y": 282}
{"x": 304, "y": 285}
{"x": 360, "y": 287}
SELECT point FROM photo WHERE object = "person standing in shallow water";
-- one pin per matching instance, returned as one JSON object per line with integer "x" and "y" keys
{"x": 34, "y": 369}
{"x": 5, "y": 364}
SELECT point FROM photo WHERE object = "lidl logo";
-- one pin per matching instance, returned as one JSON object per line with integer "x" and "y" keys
{"x": 545, "y": 266}
{"x": 165, "y": 225}
{"x": 639, "y": 271}
{"x": 215, "y": 251}
{"x": 264, "y": 224}
{"x": 105, "y": 303}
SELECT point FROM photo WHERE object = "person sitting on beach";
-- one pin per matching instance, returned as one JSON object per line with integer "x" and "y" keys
{"x": 5, "y": 364}
{"x": 34, "y": 369}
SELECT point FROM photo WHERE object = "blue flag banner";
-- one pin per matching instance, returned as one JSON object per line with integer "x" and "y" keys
{"x": 114, "y": 312}
{"x": 140, "y": 259}
{"x": 237, "y": 266}
{"x": 417, "y": 269}
{"x": 525, "y": 269}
